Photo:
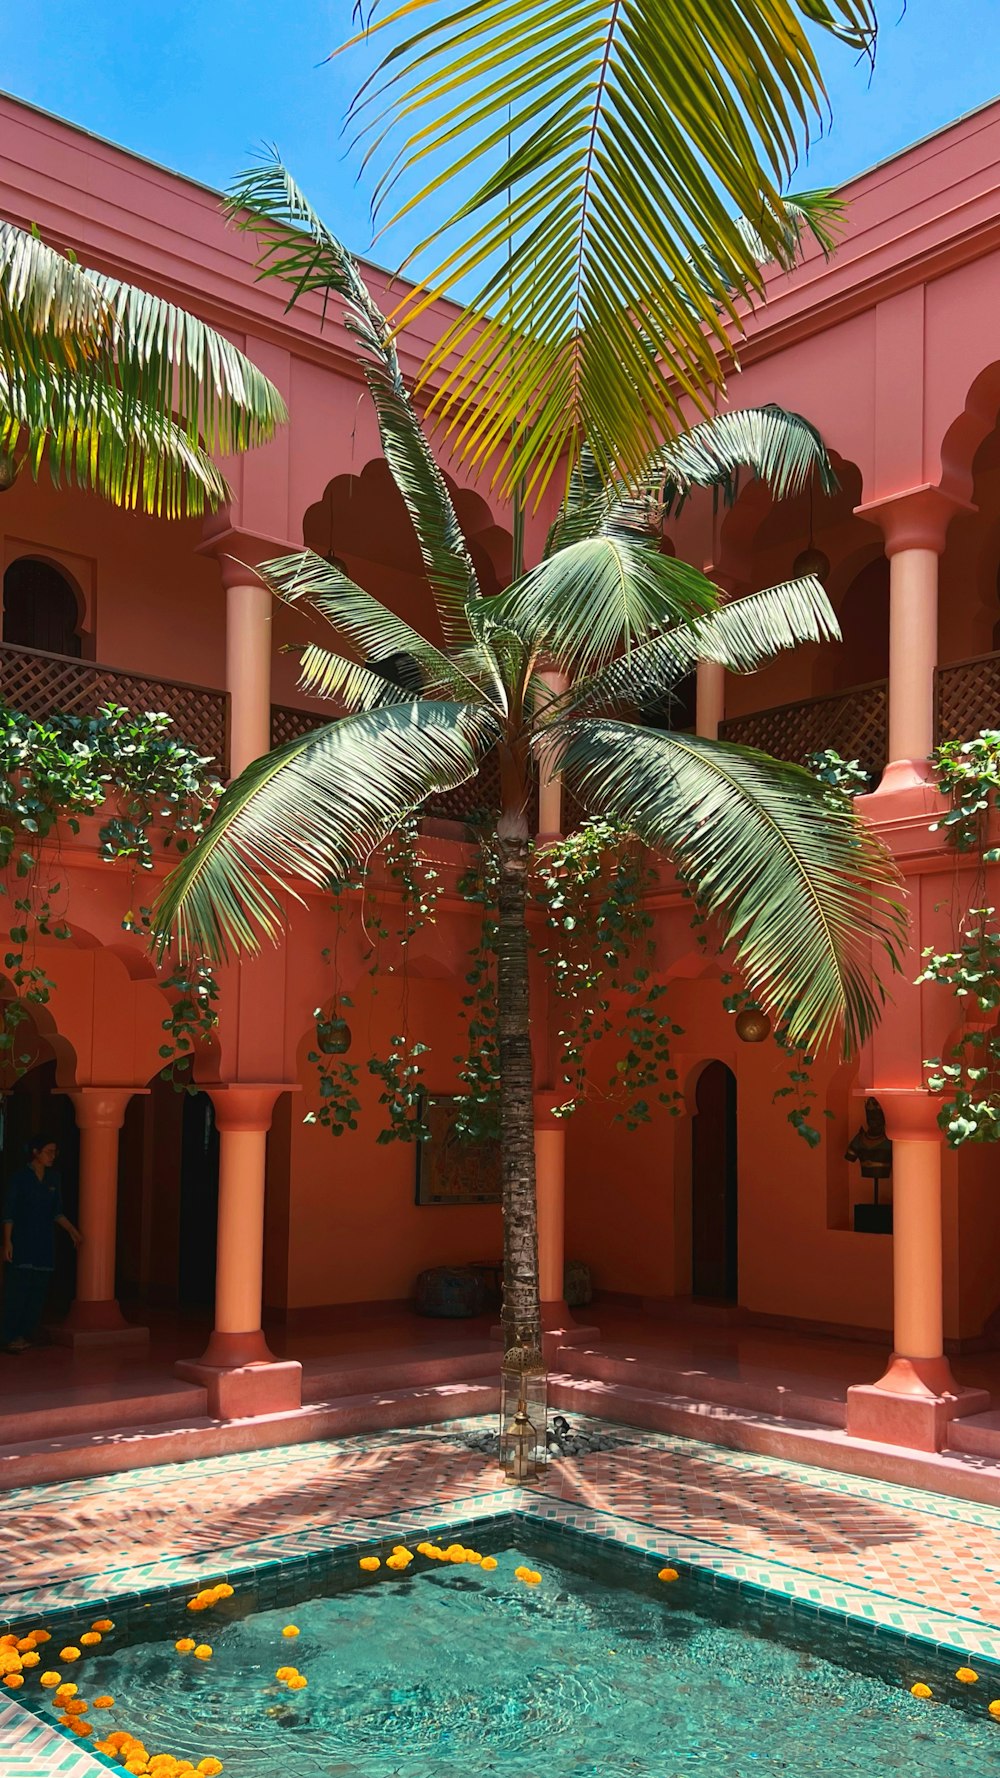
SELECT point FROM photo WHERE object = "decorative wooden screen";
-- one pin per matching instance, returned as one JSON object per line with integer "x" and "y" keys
{"x": 855, "y": 723}
{"x": 480, "y": 795}
{"x": 41, "y": 684}
{"x": 967, "y": 698}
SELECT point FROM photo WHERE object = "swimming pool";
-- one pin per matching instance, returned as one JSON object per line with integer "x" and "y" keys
{"x": 452, "y": 1672}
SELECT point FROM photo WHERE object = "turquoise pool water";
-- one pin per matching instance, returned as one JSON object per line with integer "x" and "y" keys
{"x": 452, "y": 1673}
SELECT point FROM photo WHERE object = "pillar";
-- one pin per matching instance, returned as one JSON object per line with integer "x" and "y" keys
{"x": 237, "y": 1368}
{"x": 248, "y": 665}
{"x": 711, "y": 699}
{"x": 914, "y": 525}
{"x": 549, "y": 780}
{"x": 558, "y": 1326}
{"x": 94, "y": 1317}
{"x": 913, "y": 1402}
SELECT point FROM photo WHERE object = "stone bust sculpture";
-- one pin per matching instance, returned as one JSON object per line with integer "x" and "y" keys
{"x": 871, "y": 1146}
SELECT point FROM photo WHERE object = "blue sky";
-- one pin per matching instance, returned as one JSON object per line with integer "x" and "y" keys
{"x": 199, "y": 85}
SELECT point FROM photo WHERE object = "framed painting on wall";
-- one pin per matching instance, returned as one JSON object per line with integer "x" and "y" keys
{"x": 452, "y": 1170}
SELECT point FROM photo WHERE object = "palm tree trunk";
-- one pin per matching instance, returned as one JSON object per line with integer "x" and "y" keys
{"x": 521, "y": 1315}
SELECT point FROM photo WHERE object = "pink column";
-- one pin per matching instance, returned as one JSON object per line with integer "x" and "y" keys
{"x": 914, "y": 525}
{"x": 918, "y": 1395}
{"x": 94, "y": 1315}
{"x": 248, "y": 665}
{"x": 549, "y": 781}
{"x": 239, "y": 1370}
{"x": 558, "y": 1325}
{"x": 711, "y": 699}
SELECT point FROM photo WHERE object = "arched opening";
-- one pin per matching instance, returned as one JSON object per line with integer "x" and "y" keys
{"x": 864, "y": 625}
{"x": 40, "y": 608}
{"x": 714, "y": 1186}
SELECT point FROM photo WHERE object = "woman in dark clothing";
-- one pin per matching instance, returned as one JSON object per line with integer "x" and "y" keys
{"x": 32, "y": 1207}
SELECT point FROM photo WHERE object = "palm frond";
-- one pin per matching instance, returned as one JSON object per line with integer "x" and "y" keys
{"x": 51, "y": 311}
{"x": 309, "y": 811}
{"x": 801, "y": 887}
{"x": 740, "y": 635}
{"x": 596, "y": 598}
{"x": 297, "y": 247}
{"x": 309, "y": 579}
{"x": 84, "y": 430}
{"x": 775, "y": 445}
{"x": 621, "y": 147}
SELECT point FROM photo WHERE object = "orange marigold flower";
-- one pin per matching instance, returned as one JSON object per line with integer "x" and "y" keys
{"x": 994, "y": 1709}
{"x": 30, "y": 1658}
{"x": 209, "y": 1768}
{"x": 286, "y": 1673}
{"x": 42, "y": 1635}
{"x": 489, "y": 1562}
{"x": 185, "y": 1645}
{"x": 104, "y": 1702}
{"x": 82, "y": 1728}
{"x": 102, "y": 1624}
{"x": 13, "y": 1680}
{"x": 90, "y": 1637}
{"x": 224, "y": 1590}
{"x": 26, "y": 1642}
{"x": 51, "y": 1679}
{"x": 369, "y": 1563}
{"x": 198, "y": 1604}
{"x": 966, "y": 1675}
{"x": 76, "y": 1707}
{"x": 920, "y": 1690}
{"x": 298, "y": 1682}
{"x": 69, "y": 1654}
{"x": 668, "y": 1574}
{"x": 290, "y": 1630}
{"x": 67, "y": 1690}
{"x": 203, "y": 1652}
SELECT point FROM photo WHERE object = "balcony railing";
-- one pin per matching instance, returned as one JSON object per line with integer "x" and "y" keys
{"x": 855, "y": 723}
{"x": 481, "y": 794}
{"x": 39, "y": 684}
{"x": 967, "y": 697}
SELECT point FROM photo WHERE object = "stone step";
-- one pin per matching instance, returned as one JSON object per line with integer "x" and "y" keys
{"x": 977, "y": 1435}
{"x": 402, "y": 1368}
{"x": 795, "y": 1441}
{"x": 102, "y": 1452}
{"x": 89, "y": 1407}
{"x": 807, "y": 1399}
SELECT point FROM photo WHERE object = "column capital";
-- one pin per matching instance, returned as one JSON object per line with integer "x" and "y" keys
{"x": 917, "y": 518}
{"x": 98, "y": 1108}
{"x": 910, "y": 1112}
{"x": 240, "y": 552}
{"x": 247, "y": 1105}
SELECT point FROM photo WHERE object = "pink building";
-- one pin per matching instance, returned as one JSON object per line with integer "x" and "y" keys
{"x": 228, "y": 1204}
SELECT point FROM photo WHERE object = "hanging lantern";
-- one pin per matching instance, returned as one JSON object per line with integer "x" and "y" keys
{"x": 811, "y": 561}
{"x": 523, "y": 1414}
{"x": 333, "y": 1036}
{"x": 752, "y": 1025}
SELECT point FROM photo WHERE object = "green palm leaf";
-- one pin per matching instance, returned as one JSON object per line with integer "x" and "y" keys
{"x": 309, "y": 579}
{"x": 801, "y": 886}
{"x": 297, "y": 246}
{"x": 624, "y": 143}
{"x": 51, "y": 311}
{"x": 598, "y": 597}
{"x": 130, "y": 452}
{"x": 776, "y": 445}
{"x": 309, "y": 811}
{"x": 741, "y": 635}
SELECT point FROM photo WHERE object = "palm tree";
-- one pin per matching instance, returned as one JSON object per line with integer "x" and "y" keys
{"x": 116, "y": 389}
{"x": 629, "y": 165}
{"x": 799, "y": 886}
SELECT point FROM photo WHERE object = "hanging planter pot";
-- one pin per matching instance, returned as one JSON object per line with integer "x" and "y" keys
{"x": 333, "y": 1036}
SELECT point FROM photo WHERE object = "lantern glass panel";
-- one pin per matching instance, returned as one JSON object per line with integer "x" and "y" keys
{"x": 523, "y": 1415}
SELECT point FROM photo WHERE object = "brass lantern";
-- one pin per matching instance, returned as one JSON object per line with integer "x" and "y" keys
{"x": 752, "y": 1025}
{"x": 523, "y": 1414}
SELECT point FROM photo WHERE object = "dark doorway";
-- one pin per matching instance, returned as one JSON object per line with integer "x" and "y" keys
{"x": 33, "y": 1107}
{"x": 199, "y": 1203}
{"x": 714, "y": 1186}
{"x": 40, "y": 608}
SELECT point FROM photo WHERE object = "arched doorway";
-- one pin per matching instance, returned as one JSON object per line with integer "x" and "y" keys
{"x": 199, "y": 1203}
{"x": 714, "y": 1251}
{"x": 40, "y": 608}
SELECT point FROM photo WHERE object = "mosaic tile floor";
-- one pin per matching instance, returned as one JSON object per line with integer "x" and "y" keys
{"x": 916, "y": 1564}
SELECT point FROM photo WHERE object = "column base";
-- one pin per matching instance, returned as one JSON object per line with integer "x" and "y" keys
{"x": 912, "y": 1405}
{"x": 908, "y": 775}
{"x": 244, "y": 1391}
{"x": 97, "y": 1324}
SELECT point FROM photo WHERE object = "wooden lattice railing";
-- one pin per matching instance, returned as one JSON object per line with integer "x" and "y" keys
{"x": 41, "y": 684}
{"x": 855, "y": 723}
{"x": 481, "y": 794}
{"x": 967, "y": 697}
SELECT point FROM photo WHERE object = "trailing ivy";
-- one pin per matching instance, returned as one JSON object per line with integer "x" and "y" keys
{"x": 57, "y": 771}
{"x": 591, "y": 889}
